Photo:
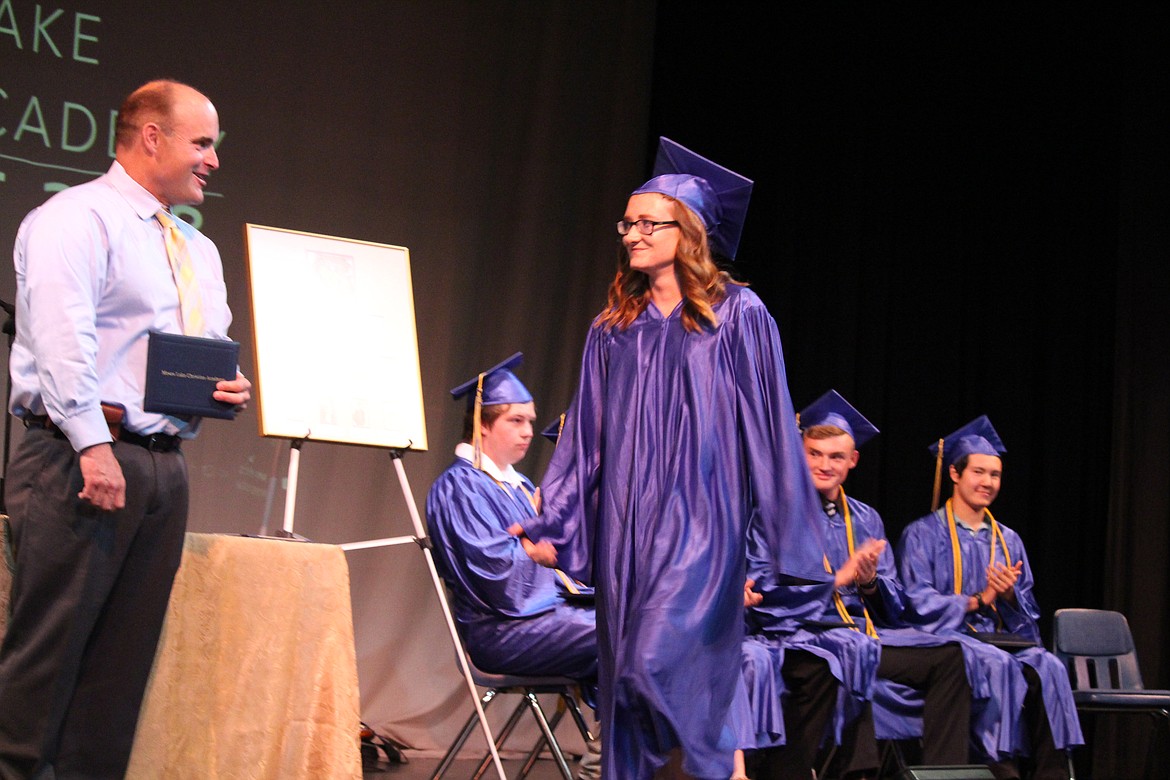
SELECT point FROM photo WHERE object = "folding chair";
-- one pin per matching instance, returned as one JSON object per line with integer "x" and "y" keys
{"x": 528, "y": 688}
{"x": 1097, "y": 648}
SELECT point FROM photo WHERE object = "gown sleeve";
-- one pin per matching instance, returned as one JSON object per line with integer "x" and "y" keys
{"x": 571, "y": 484}
{"x": 469, "y": 520}
{"x": 886, "y": 604}
{"x": 784, "y": 503}
{"x": 787, "y": 603}
{"x": 1021, "y": 618}
{"x": 931, "y": 603}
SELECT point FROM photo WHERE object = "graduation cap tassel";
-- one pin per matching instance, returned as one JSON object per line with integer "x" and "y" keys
{"x": 477, "y": 417}
{"x": 937, "y": 477}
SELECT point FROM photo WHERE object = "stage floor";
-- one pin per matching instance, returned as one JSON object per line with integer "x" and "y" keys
{"x": 421, "y": 769}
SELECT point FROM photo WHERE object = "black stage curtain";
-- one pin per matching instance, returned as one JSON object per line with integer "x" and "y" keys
{"x": 959, "y": 211}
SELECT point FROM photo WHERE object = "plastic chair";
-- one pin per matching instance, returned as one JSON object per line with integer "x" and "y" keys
{"x": 1097, "y": 648}
{"x": 528, "y": 688}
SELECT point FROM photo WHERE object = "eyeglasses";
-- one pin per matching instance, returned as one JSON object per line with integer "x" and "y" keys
{"x": 645, "y": 226}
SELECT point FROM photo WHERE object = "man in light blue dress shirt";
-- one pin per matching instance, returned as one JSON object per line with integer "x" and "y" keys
{"x": 97, "y": 490}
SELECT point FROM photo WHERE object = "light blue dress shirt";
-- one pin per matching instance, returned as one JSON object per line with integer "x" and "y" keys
{"x": 92, "y": 279}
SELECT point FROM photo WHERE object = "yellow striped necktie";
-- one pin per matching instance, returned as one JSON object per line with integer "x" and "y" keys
{"x": 190, "y": 303}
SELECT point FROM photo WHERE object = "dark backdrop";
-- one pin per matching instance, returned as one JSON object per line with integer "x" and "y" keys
{"x": 935, "y": 229}
{"x": 962, "y": 211}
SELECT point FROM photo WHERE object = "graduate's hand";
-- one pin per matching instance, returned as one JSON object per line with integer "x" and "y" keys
{"x": 750, "y": 597}
{"x": 846, "y": 573}
{"x": 541, "y": 552}
{"x": 105, "y": 486}
{"x": 863, "y": 559}
{"x": 236, "y": 392}
{"x": 867, "y": 560}
{"x": 1002, "y": 579}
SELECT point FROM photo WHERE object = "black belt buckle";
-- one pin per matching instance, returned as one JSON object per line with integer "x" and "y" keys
{"x": 155, "y": 442}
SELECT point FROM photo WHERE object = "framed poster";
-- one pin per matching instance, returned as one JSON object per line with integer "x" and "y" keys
{"x": 335, "y": 340}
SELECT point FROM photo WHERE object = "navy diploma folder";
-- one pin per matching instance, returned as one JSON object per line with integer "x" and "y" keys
{"x": 181, "y": 372}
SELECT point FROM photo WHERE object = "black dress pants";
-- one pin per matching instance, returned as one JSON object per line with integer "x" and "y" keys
{"x": 939, "y": 672}
{"x": 1046, "y": 762}
{"x": 89, "y": 595}
{"x": 809, "y": 699}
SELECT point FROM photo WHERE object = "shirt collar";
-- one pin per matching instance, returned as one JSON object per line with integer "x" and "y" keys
{"x": 144, "y": 204}
{"x": 985, "y": 525}
{"x": 509, "y": 475}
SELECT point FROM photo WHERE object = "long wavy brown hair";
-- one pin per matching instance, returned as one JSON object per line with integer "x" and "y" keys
{"x": 702, "y": 283}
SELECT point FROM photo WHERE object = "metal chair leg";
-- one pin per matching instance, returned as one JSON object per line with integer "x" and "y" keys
{"x": 502, "y": 737}
{"x": 578, "y": 718}
{"x": 530, "y": 759}
{"x": 457, "y": 745}
{"x": 558, "y": 756}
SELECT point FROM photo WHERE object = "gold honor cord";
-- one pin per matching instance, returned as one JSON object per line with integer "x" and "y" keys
{"x": 957, "y": 553}
{"x": 531, "y": 498}
{"x": 838, "y": 602}
{"x": 560, "y": 427}
{"x": 565, "y": 578}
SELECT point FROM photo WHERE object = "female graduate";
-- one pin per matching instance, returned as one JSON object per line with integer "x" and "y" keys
{"x": 681, "y": 430}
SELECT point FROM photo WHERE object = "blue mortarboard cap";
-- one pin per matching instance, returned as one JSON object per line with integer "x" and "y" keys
{"x": 718, "y": 196}
{"x": 552, "y": 431}
{"x": 975, "y": 438}
{"x": 832, "y": 409}
{"x": 500, "y": 385}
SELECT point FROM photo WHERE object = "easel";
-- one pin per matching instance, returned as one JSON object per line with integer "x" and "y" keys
{"x": 420, "y": 538}
{"x": 286, "y": 265}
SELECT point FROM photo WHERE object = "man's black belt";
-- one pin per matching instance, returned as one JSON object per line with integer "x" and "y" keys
{"x": 155, "y": 442}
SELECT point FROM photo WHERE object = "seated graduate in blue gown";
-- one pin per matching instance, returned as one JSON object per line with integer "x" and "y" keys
{"x": 965, "y": 572}
{"x": 930, "y": 668}
{"x": 792, "y": 699}
{"x": 681, "y": 430}
{"x": 794, "y": 621}
{"x": 511, "y": 612}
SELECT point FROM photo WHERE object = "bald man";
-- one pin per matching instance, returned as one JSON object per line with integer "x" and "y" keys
{"x": 97, "y": 490}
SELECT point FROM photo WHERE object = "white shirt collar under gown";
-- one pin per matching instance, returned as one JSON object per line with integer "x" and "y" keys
{"x": 508, "y": 475}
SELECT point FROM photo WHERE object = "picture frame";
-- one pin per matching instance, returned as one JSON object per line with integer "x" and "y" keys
{"x": 336, "y": 346}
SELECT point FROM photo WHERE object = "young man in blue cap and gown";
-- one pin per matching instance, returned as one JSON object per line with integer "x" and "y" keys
{"x": 680, "y": 431}
{"x": 965, "y": 572}
{"x": 928, "y": 685}
{"x": 804, "y": 682}
{"x": 510, "y": 611}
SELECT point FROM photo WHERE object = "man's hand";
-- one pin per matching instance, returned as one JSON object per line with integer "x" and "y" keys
{"x": 750, "y": 597}
{"x": 867, "y": 560}
{"x": 236, "y": 392}
{"x": 1001, "y": 584}
{"x": 862, "y": 564}
{"x": 1002, "y": 580}
{"x": 105, "y": 487}
{"x": 541, "y": 552}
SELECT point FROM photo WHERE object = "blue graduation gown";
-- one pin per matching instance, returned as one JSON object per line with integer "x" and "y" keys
{"x": 997, "y": 685}
{"x": 509, "y": 609}
{"x": 764, "y": 688}
{"x": 927, "y": 570}
{"x": 789, "y": 617}
{"x": 673, "y": 439}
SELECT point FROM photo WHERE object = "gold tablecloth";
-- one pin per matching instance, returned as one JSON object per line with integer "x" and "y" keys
{"x": 256, "y": 673}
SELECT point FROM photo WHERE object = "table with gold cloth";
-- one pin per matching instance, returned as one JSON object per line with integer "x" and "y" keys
{"x": 256, "y": 673}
